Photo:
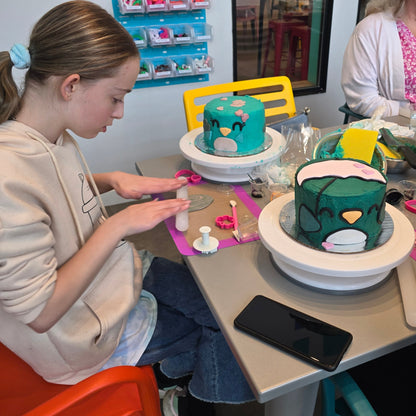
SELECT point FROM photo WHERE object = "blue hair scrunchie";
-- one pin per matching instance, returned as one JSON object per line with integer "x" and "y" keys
{"x": 20, "y": 56}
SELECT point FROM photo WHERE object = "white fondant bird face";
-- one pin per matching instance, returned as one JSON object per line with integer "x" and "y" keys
{"x": 227, "y": 134}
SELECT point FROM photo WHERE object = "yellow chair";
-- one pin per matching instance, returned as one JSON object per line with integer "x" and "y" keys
{"x": 275, "y": 92}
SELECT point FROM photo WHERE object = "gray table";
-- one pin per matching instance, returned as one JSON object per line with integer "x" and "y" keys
{"x": 231, "y": 277}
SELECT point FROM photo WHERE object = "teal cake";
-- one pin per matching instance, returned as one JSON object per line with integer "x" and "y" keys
{"x": 339, "y": 204}
{"x": 234, "y": 126}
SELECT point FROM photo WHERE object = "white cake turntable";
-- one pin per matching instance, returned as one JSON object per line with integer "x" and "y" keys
{"x": 228, "y": 169}
{"x": 334, "y": 272}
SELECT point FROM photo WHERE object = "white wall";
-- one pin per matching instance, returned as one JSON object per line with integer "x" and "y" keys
{"x": 154, "y": 119}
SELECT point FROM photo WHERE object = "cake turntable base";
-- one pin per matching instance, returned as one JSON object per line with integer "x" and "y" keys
{"x": 334, "y": 272}
{"x": 228, "y": 169}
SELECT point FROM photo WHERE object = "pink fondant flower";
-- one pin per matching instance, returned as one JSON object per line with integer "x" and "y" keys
{"x": 244, "y": 117}
{"x": 220, "y": 108}
{"x": 238, "y": 103}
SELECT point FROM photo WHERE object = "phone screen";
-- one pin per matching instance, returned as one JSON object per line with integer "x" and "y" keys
{"x": 306, "y": 337}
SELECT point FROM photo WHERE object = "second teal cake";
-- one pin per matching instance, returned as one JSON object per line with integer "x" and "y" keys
{"x": 340, "y": 203}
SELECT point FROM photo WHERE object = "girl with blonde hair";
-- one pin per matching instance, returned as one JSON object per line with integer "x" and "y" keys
{"x": 73, "y": 299}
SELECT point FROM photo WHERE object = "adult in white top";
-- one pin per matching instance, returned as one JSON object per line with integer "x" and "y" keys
{"x": 373, "y": 72}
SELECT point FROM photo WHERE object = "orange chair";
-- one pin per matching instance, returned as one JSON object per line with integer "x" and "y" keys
{"x": 118, "y": 391}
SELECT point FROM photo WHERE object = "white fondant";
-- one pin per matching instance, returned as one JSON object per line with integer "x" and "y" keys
{"x": 347, "y": 248}
{"x": 224, "y": 144}
{"x": 341, "y": 169}
{"x": 349, "y": 236}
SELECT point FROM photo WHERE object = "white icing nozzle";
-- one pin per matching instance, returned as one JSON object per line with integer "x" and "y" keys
{"x": 206, "y": 244}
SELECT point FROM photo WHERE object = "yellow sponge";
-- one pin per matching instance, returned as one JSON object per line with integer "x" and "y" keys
{"x": 358, "y": 144}
{"x": 389, "y": 153}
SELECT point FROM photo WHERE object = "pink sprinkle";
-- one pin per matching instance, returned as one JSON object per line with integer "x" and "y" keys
{"x": 220, "y": 108}
{"x": 224, "y": 99}
{"x": 367, "y": 172}
{"x": 239, "y": 113}
{"x": 359, "y": 165}
{"x": 244, "y": 117}
{"x": 327, "y": 246}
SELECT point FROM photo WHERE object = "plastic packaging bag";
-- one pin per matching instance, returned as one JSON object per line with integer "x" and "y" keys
{"x": 300, "y": 142}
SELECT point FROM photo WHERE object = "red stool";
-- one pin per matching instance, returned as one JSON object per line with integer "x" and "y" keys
{"x": 248, "y": 14}
{"x": 299, "y": 35}
{"x": 279, "y": 28}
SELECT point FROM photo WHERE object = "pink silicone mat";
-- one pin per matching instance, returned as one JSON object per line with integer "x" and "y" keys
{"x": 246, "y": 208}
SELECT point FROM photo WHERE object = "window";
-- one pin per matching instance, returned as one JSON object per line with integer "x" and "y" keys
{"x": 283, "y": 37}
{"x": 361, "y": 9}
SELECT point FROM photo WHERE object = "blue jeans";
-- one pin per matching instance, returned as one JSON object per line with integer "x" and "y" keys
{"x": 187, "y": 339}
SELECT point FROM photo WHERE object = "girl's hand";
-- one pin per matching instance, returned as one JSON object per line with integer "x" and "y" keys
{"x": 131, "y": 186}
{"x": 144, "y": 216}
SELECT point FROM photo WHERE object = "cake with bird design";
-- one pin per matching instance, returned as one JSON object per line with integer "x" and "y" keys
{"x": 340, "y": 203}
{"x": 234, "y": 126}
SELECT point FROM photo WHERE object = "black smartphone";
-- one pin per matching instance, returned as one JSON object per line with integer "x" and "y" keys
{"x": 308, "y": 338}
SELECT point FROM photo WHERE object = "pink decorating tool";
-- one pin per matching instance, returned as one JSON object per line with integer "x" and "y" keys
{"x": 234, "y": 209}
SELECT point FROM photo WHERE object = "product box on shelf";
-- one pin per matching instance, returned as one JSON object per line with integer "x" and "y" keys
{"x": 178, "y": 5}
{"x": 203, "y": 64}
{"x": 200, "y": 4}
{"x": 160, "y": 36}
{"x": 162, "y": 68}
{"x": 139, "y": 36}
{"x": 202, "y": 32}
{"x": 183, "y": 66}
{"x": 156, "y": 6}
{"x": 146, "y": 70}
{"x": 132, "y": 6}
{"x": 183, "y": 34}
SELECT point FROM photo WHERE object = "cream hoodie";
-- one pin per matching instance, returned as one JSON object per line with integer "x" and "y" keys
{"x": 47, "y": 211}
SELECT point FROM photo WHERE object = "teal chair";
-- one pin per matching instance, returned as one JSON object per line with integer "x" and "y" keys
{"x": 349, "y": 113}
{"x": 341, "y": 396}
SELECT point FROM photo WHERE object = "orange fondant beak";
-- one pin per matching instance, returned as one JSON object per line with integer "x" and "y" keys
{"x": 351, "y": 216}
{"x": 225, "y": 131}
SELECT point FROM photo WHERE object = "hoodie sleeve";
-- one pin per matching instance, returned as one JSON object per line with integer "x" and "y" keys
{"x": 27, "y": 258}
